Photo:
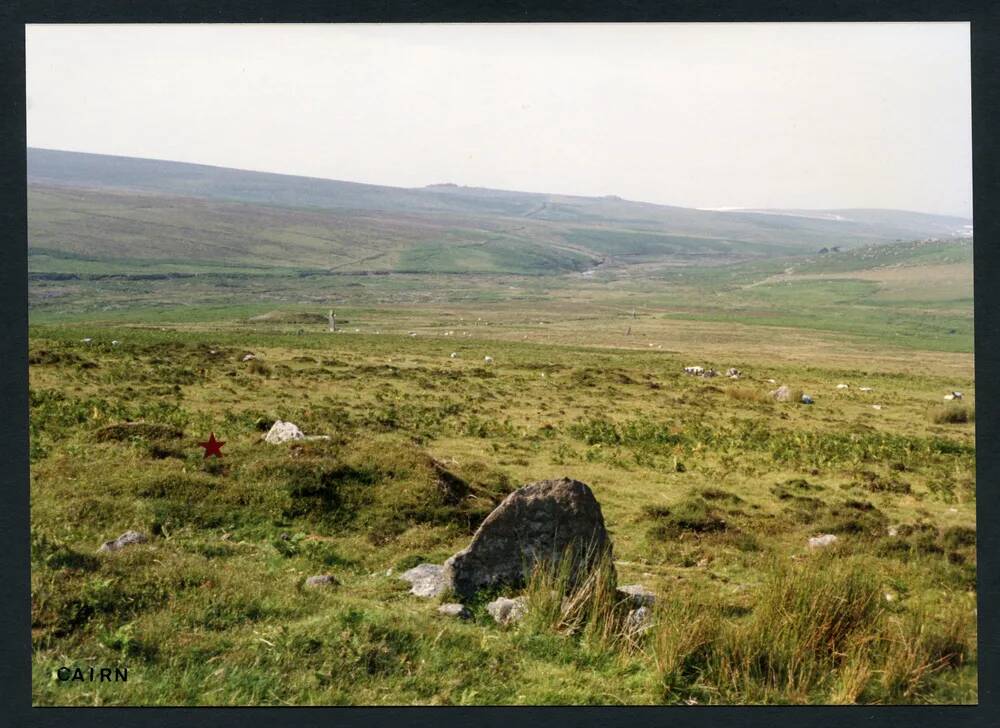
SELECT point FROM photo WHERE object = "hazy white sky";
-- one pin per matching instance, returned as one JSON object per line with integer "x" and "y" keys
{"x": 701, "y": 115}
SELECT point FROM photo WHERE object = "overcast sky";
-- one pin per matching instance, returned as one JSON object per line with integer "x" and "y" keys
{"x": 701, "y": 115}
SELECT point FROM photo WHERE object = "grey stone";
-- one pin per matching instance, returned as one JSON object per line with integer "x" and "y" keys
{"x": 455, "y": 610}
{"x": 428, "y": 580}
{"x": 508, "y": 611}
{"x": 782, "y": 393}
{"x": 639, "y": 620}
{"x": 542, "y": 521}
{"x": 823, "y": 540}
{"x": 322, "y": 580}
{"x": 637, "y": 595}
{"x": 283, "y": 432}
{"x": 126, "y": 539}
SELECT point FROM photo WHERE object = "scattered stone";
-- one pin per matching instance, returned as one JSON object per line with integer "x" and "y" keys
{"x": 428, "y": 580}
{"x": 890, "y": 597}
{"x": 87, "y": 340}
{"x": 893, "y": 531}
{"x": 639, "y": 620}
{"x": 866, "y": 389}
{"x": 283, "y": 432}
{"x": 455, "y": 610}
{"x": 115, "y": 342}
{"x": 507, "y": 611}
{"x": 128, "y": 538}
{"x": 822, "y": 541}
{"x": 782, "y": 393}
{"x": 638, "y": 595}
{"x": 322, "y": 580}
{"x": 538, "y": 522}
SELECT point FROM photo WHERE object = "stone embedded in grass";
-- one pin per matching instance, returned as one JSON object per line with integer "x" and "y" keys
{"x": 128, "y": 538}
{"x": 826, "y": 539}
{"x": 639, "y": 619}
{"x": 637, "y": 595}
{"x": 782, "y": 393}
{"x": 283, "y": 432}
{"x": 455, "y": 610}
{"x": 507, "y": 611}
{"x": 543, "y": 521}
{"x": 319, "y": 580}
{"x": 428, "y": 580}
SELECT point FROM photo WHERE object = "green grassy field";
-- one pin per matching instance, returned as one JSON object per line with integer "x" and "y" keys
{"x": 709, "y": 488}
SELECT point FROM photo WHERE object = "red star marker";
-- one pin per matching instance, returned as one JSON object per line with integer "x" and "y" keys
{"x": 212, "y": 447}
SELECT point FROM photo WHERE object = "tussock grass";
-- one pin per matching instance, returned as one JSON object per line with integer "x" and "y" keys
{"x": 953, "y": 413}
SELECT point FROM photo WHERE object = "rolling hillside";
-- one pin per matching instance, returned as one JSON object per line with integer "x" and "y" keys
{"x": 95, "y": 214}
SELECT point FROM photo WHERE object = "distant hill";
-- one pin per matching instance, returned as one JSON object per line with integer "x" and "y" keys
{"x": 90, "y": 212}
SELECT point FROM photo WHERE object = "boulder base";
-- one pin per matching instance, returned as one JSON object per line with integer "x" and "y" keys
{"x": 543, "y": 521}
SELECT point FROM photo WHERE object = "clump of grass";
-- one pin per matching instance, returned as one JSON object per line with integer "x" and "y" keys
{"x": 694, "y": 515}
{"x": 817, "y": 633}
{"x": 952, "y": 414}
{"x": 747, "y": 394}
{"x": 568, "y": 600}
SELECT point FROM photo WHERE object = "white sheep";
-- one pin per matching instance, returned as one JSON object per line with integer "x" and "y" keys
{"x": 487, "y": 359}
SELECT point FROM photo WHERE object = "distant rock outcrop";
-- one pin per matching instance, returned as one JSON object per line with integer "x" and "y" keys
{"x": 543, "y": 521}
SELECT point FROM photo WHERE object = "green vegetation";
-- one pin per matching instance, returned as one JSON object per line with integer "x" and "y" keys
{"x": 710, "y": 490}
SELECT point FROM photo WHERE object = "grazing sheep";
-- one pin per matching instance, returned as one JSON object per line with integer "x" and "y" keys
{"x": 248, "y": 357}
{"x": 806, "y": 399}
{"x": 487, "y": 359}
{"x": 953, "y": 395}
{"x": 115, "y": 342}
{"x": 866, "y": 389}
{"x": 87, "y": 340}
{"x": 454, "y": 355}
{"x": 733, "y": 373}
{"x": 696, "y": 371}
{"x": 709, "y": 373}
{"x": 841, "y": 386}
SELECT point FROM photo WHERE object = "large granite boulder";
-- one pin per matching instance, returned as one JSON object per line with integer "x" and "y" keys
{"x": 543, "y": 521}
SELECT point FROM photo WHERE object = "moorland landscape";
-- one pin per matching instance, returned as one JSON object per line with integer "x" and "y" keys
{"x": 805, "y": 523}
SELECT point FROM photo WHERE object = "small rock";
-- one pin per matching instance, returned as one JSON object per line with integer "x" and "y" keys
{"x": 322, "y": 580}
{"x": 639, "y": 620}
{"x": 821, "y": 541}
{"x": 782, "y": 393}
{"x": 115, "y": 342}
{"x": 890, "y": 597}
{"x": 893, "y": 531}
{"x": 126, "y": 539}
{"x": 638, "y": 595}
{"x": 507, "y": 611}
{"x": 454, "y": 610}
{"x": 866, "y": 389}
{"x": 428, "y": 580}
{"x": 87, "y": 340}
{"x": 283, "y": 432}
